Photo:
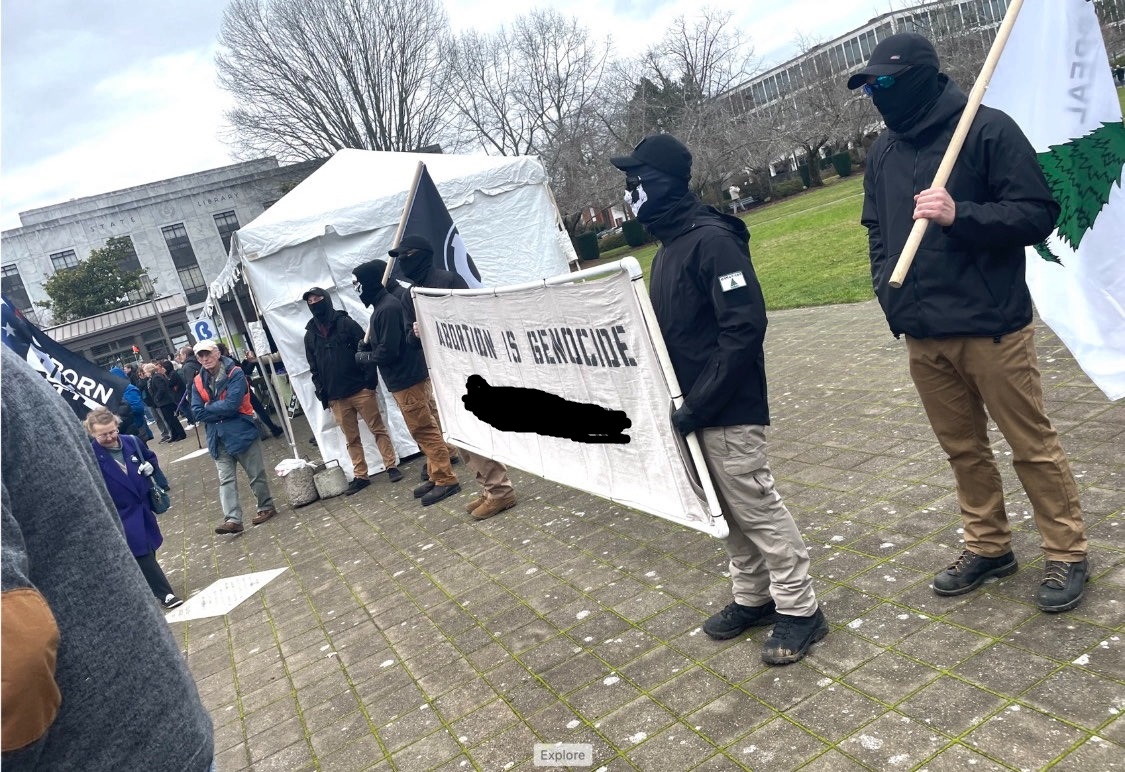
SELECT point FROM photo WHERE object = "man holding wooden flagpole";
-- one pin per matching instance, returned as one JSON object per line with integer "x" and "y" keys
{"x": 960, "y": 186}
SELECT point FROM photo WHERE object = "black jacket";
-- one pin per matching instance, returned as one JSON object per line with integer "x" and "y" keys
{"x": 711, "y": 313}
{"x": 161, "y": 391}
{"x": 436, "y": 278}
{"x": 401, "y": 364}
{"x": 967, "y": 279}
{"x": 331, "y": 357}
{"x": 188, "y": 371}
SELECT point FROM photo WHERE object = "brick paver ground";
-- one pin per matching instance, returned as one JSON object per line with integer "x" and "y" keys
{"x": 413, "y": 639}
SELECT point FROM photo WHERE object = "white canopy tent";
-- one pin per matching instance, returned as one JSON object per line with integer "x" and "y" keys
{"x": 348, "y": 211}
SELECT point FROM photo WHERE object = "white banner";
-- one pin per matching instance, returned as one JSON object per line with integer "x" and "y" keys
{"x": 1054, "y": 80}
{"x": 563, "y": 381}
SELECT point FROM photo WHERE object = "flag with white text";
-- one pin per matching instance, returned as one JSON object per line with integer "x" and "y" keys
{"x": 1055, "y": 81}
{"x": 79, "y": 381}
{"x": 563, "y": 381}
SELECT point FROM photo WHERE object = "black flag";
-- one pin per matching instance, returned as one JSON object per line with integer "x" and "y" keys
{"x": 427, "y": 216}
{"x": 79, "y": 381}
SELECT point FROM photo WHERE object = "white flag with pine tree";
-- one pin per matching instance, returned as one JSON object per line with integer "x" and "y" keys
{"x": 1054, "y": 79}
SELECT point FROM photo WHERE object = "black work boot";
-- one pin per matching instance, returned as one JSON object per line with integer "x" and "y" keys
{"x": 440, "y": 492}
{"x": 736, "y": 618}
{"x": 1063, "y": 585}
{"x": 792, "y": 637}
{"x": 970, "y": 571}
{"x": 423, "y": 489}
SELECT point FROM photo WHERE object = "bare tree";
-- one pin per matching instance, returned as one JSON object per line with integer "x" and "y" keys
{"x": 313, "y": 76}
{"x": 681, "y": 86}
{"x": 534, "y": 88}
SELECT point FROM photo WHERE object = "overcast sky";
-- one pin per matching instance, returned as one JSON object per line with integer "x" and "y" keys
{"x": 99, "y": 96}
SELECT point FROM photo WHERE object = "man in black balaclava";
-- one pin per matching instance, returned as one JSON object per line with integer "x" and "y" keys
{"x": 713, "y": 318}
{"x": 415, "y": 256}
{"x": 404, "y": 371}
{"x": 343, "y": 386}
{"x": 966, "y": 310}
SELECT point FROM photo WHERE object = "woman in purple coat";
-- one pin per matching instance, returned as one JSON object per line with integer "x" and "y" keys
{"x": 126, "y": 465}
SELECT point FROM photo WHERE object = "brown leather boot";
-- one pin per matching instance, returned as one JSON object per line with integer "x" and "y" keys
{"x": 475, "y": 503}
{"x": 492, "y": 507}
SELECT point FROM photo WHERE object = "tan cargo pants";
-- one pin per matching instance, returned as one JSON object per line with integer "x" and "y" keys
{"x": 957, "y": 380}
{"x": 768, "y": 557}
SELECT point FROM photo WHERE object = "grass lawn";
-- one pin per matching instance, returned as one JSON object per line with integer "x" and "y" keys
{"x": 808, "y": 250}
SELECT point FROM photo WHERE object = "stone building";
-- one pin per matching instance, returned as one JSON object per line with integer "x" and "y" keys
{"x": 180, "y": 231}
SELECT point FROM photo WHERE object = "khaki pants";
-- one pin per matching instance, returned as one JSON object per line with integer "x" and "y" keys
{"x": 957, "y": 380}
{"x": 422, "y": 422}
{"x": 768, "y": 557}
{"x": 365, "y": 403}
{"x": 491, "y": 475}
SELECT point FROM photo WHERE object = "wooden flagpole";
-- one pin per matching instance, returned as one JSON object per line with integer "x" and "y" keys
{"x": 398, "y": 233}
{"x": 405, "y": 216}
{"x": 946, "y": 168}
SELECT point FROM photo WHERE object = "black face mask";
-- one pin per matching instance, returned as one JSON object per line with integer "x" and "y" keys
{"x": 652, "y": 193}
{"x": 415, "y": 264}
{"x": 909, "y": 99}
{"x": 322, "y": 311}
{"x": 369, "y": 281}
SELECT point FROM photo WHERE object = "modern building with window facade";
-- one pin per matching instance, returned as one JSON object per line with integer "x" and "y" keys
{"x": 179, "y": 231}
{"x": 936, "y": 20}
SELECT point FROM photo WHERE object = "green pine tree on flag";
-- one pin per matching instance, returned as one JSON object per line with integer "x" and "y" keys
{"x": 1081, "y": 174}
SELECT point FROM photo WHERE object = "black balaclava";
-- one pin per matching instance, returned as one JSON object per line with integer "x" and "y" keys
{"x": 416, "y": 264}
{"x": 913, "y": 94}
{"x": 370, "y": 278}
{"x": 652, "y": 193}
{"x": 322, "y": 311}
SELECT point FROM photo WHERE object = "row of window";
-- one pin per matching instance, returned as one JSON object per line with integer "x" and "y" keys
{"x": 855, "y": 51}
{"x": 179, "y": 247}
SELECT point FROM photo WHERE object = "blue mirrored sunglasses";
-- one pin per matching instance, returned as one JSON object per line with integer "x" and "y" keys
{"x": 881, "y": 83}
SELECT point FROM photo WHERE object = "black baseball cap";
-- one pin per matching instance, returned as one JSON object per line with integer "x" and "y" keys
{"x": 660, "y": 151}
{"x": 411, "y": 242}
{"x": 314, "y": 291}
{"x": 895, "y": 54}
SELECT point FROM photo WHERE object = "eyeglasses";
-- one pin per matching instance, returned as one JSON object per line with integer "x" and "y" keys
{"x": 880, "y": 83}
{"x": 107, "y": 435}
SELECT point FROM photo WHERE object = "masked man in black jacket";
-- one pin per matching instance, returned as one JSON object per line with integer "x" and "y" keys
{"x": 344, "y": 387}
{"x": 713, "y": 318}
{"x": 966, "y": 310}
{"x": 403, "y": 368}
{"x": 415, "y": 256}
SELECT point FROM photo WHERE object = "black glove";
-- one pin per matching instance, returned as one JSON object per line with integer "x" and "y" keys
{"x": 320, "y": 398}
{"x": 364, "y": 345}
{"x": 685, "y": 421}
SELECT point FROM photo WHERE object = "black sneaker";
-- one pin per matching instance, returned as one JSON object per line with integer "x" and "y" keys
{"x": 276, "y": 432}
{"x": 1063, "y": 585}
{"x": 970, "y": 571}
{"x": 171, "y": 601}
{"x": 792, "y": 637}
{"x": 393, "y": 474}
{"x": 356, "y": 485}
{"x": 736, "y": 618}
{"x": 440, "y": 492}
{"x": 423, "y": 489}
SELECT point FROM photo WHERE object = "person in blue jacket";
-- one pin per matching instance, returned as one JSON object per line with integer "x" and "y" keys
{"x": 220, "y": 400}
{"x": 127, "y": 465}
{"x": 133, "y": 420}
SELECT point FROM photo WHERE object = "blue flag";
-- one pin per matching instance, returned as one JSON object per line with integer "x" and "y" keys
{"x": 79, "y": 381}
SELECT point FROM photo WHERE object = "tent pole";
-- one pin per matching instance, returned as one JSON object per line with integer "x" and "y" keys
{"x": 270, "y": 373}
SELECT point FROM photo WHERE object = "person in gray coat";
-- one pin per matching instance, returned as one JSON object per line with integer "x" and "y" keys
{"x": 93, "y": 678}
